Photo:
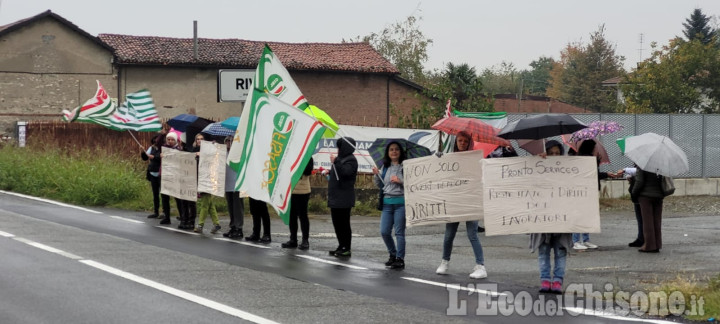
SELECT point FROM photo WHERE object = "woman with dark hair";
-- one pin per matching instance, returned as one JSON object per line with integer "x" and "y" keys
{"x": 205, "y": 202}
{"x": 341, "y": 194}
{"x": 299, "y": 210}
{"x": 153, "y": 172}
{"x": 390, "y": 181}
{"x": 463, "y": 142}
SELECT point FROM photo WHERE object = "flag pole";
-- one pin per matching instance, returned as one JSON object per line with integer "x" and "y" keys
{"x": 136, "y": 141}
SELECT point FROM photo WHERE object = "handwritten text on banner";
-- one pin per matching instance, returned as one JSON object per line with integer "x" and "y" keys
{"x": 178, "y": 174}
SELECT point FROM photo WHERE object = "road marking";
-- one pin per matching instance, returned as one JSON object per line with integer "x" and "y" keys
{"x": 48, "y": 248}
{"x": 331, "y": 262}
{"x": 179, "y": 293}
{"x": 177, "y": 230}
{"x": 240, "y": 242}
{"x": 605, "y": 314}
{"x": 5, "y": 234}
{"x": 453, "y": 286}
{"x": 127, "y": 219}
{"x": 49, "y": 201}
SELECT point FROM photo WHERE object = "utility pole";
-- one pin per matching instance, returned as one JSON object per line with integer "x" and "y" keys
{"x": 522, "y": 81}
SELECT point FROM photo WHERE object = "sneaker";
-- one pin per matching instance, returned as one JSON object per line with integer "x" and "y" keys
{"x": 238, "y": 234}
{"x": 556, "y": 287}
{"x": 153, "y": 216}
{"x": 304, "y": 245}
{"x": 579, "y": 246}
{"x": 545, "y": 286}
{"x": 230, "y": 232}
{"x": 198, "y": 229}
{"x": 265, "y": 239}
{"x": 398, "y": 264}
{"x": 215, "y": 229}
{"x": 390, "y": 261}
{"x": 332, "y": 253}
{"x": 253, "y": 238}
{"x": 343, "y": 253}
{"x": 590, "y": 245}
{"x": 289, "y": 245}
{"x": 479, "y": 272}
{"x": 443, "y": 268}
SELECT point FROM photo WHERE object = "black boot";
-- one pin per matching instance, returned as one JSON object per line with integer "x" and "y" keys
{"x": 253, "y": 238}
{"x": 289, "y": 244}
{"x": 304, "y": 245}
{"x": 398, "y": 264}
{"x": 390, "y": 261}
{"x": 230, "y": 232}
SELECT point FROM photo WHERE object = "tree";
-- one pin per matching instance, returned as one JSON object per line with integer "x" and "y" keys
{"x": 682, "y": 77}
{"x": 404, "y": 45}
{"x": 577, "y": 77}
{"x": 502, "y": 78}
{"x": 536, "y": 80}
{"x": 697, "y": 27}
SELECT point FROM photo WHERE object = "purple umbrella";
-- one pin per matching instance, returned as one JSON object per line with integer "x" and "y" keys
{"x": 595, "y": 129}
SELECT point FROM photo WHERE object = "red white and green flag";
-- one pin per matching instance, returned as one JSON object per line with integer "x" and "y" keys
{"x": 137, "y": 113}
{"x": 272, "y": 145}
{"x": 272, "y": 77}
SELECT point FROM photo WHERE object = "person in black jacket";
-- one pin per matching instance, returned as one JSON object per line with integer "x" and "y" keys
{"x": 341, "y": 193}
{"x": 153, "y": 173}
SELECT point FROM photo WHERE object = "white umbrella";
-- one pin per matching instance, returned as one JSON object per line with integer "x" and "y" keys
{"x": 658, "y": 154}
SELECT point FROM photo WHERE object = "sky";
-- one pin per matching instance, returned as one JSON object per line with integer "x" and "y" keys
{"x": 480, "y": 33}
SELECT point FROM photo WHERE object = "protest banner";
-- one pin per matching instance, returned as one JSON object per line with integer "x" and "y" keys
{"x": 211, "y": 168}
{"x": 443, "y": 189}
{"x": 364, "y": 137}
{"x": 179, "y": 174}
{"x": 535, "y": 195}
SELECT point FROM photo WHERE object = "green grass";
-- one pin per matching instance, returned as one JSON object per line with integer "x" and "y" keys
{"x": 708, "y": 289}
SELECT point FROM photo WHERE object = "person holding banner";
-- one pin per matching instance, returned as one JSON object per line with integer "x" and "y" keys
{"x": 171, "y": 141}
{"x": 341, "y": 193}
{"x": 393, "y": 203}
{"x": 463, "y": 142}
{"x": 153, "y": 172}
{"x": 233, "y": 199}
{"x": 299, "y": 210}
{"x": 551, "y": 280}
{"x": 205, "y": 202}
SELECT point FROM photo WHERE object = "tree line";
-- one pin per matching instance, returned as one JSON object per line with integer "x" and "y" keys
{"x": 682, "y": 76}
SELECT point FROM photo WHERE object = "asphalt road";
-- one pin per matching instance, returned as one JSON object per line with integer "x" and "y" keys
{"x": 119, "y": 267}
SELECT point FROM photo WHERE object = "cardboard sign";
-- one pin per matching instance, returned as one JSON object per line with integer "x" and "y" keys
{"x": 178, "y": 174}
{"x": 443, "y": 189}
{"x": 530, "y": 194}
{"x": 211, "y": 168}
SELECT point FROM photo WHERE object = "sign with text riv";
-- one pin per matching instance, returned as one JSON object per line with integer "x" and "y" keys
{"x": 443, "y": 189}
{"x": 234, "y": 85}
{"x": 530, "y": 194}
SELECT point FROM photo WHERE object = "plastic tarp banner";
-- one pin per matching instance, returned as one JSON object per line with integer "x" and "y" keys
{"x": 178, "y": 174}
{"x": 211, "y": 168}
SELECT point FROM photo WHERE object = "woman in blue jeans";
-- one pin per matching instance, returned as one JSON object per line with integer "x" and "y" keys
{"x": 463, "y": 142}
{"x": 393, "y": 212}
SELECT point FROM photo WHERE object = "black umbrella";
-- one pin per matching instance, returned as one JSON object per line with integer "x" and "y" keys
{"x": 541, "y": 126}
{"x": 193, "y": 129}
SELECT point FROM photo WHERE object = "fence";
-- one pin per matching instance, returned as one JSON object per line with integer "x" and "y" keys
{"x": 698, "y": 135}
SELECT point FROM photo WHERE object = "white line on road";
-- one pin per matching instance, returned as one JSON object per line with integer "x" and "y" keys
{"x": 127, "y": 219}
{"x": 331, "y": 262}
{"x": 48, "y": 248}
{"x": 179, "y": 293}
{"x": 5, "y": 234}
{"x": 453, "y": 286}
{"x": 240, "y": 242}
{"x": 177, "y": 230}
{"x": 49, "y": 201}
{"x": 605, "y": 314}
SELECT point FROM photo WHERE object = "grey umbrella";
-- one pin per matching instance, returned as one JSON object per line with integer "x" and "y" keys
{"x": 541, "y": 126}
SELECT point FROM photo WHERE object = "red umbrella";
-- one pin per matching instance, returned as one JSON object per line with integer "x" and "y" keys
{"x": 479, "y": 131}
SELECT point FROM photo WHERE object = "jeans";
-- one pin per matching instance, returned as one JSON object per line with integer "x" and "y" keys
{"x": 585, "y": 237}
{"x": 544, "y": 260}
{"x": 393, "y": 215}
{"x": 451, "y": 230}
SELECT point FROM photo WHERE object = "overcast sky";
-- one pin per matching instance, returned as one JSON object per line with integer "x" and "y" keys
{"x": 480, "y": 33}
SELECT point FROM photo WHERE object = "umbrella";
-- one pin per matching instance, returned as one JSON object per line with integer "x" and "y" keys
{"x": 218, "y": 130}
{"x": 658, "y": 154}
{"x": 194, "y": 128}
{"x": 595, "y": 129}
{"x": 231, "y": 123}
{"x": 182, "y": 121}
{"x": 541, "y": 126}
{"x": 412, "y": 150}
{"x": 598, "y": 151}
{"x": 330, "y": 126}
{"x": 533, "y": 147}
{"x": 480, "y": 132}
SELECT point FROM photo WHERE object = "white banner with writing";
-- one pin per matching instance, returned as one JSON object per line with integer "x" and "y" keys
{"x": 211, "y": 168}
{"x": 364, "y": 137}
{"x": 530, "y": 194}
{"x": 443, "y": 189}
{"x": 178, "y": 176}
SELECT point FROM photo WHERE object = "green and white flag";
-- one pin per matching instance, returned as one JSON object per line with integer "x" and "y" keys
{"x": 272, "y": 145}
{"x": 137, "y": 113}
{"x": 272, "y": 77}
